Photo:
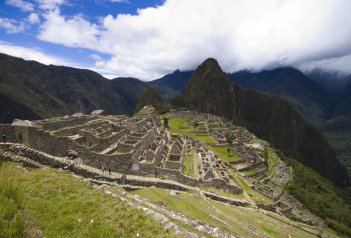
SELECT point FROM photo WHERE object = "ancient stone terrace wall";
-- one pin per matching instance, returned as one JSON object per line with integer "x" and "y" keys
{"x": 136, "y": 124}
{"x": 73, "y": 130}
{"x": 59, "y": 123}
{"x": 176, "y": 176}
{"x": 143, "y": 169}
{"x": 221, "y": 184}
{"x": 10, "y": 132}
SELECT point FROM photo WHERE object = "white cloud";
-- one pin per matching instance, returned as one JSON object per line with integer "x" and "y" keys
{"x": 34, "y": 18}
{"x": 50, "y": 4}
{"x": 72, "y": 32}
{"x": 30, "y": 54}
{"x": 252, "y": 34}
{"x": 23, "y": 5}
{"x": 12, "y": 26}
{"x": 341, "y": 64}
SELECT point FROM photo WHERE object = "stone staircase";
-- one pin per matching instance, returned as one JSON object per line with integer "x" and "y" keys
{"x": 8, "y": 156}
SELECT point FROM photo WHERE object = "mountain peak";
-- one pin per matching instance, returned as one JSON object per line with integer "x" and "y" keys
{"x": 210, "y": 65}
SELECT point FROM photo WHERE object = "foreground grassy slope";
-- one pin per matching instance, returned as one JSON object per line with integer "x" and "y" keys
{"x": 61, "y": 205}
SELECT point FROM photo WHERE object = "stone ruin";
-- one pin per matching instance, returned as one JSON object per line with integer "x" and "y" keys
{"x": 139, "y": 145}
{"x": 131, "y": 148}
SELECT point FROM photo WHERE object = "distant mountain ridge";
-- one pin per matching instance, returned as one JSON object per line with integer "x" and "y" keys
{"x": 41, "y": 91}
{"x": 313, "y": 94}
{"x": 211, "y": 90}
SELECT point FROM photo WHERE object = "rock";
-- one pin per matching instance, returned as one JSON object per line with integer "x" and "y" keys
{"x": 174, "y": 193}
{"x": 78, "y": 161}
{"x": 18, "y": 122}
{"x": 135, "y": 167}
{"x": 72, "y": 153}
{"x": 97, "y": 112}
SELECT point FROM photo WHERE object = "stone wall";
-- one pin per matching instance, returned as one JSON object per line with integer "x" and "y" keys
{"x": 53, "y": 125}
{"x": 143, "y": 169}
{"x": 221, "y": 184}
{"x": 176, "y": 176}
{"x": 10, "y": 132}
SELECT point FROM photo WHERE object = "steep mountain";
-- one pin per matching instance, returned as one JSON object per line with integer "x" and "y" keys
{"x": 343, "y": 105}
{"x": 308, "y": 98}
{"x": 151, "y": 97}
{"x": 211, "y": 90}
{"x": 11, "y": 109}
{"x": 130, "y": 90}
{"x": 331, "y": 81}
{"x": 32, "y": 90}
{"x": 171, "y": 85}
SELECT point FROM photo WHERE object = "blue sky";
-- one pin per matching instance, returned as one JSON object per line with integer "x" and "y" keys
{"x": 91, "y": 10}
{"x": 149, "y": 38}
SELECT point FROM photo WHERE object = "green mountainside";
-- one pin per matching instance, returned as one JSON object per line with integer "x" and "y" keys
{"x": 171, "y": 85}
{"x": 151, "y": 97}
{"x": 307, "y": 97}
{"x": 37, "y": 90}
{"x": 210, "y": 90}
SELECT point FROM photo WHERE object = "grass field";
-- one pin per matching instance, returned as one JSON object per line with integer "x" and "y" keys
{"x": 181, "y": 127}
{"x": 255, "y": 196}
{"x": 188, "y": 165}
{"x": 223, "y": 154}
{"x": 63, "y": 206}
{"x": 235, "y": 220}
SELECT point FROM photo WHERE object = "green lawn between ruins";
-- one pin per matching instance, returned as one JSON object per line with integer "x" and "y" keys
{"x": 181, "y": 127}
{"x": 61, "y": 205}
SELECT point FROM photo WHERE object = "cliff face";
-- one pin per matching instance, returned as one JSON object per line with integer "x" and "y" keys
{"x": 210, "y": 90}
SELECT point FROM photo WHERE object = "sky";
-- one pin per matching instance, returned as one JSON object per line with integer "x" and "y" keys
{"x": 147, "y": 39}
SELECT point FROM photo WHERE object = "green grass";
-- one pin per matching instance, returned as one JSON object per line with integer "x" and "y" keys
{"x": 271, "y": 160}
{"x": 180, "y": 126}
{"x": 12, "y": 215}
{"x": 205, "y": 138}
{"x": 64, "y": 206}
{"x": 255, "y": 196}
{"x": 228, "y": 218}
{"x": 249, "y": 172}
{"x": 188, "y": 165}
{"x": 223, "y": 154}
{"x": 224, "y": 193}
